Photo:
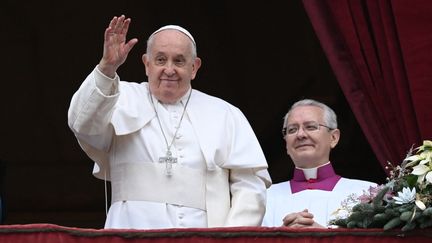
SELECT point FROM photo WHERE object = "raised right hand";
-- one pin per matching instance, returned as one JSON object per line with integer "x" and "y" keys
{"x": 116, "y": 49}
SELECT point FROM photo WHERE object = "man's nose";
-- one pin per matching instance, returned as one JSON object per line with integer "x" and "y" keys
{"x": 169, "y": 69}
{"x": 301, "y": 132}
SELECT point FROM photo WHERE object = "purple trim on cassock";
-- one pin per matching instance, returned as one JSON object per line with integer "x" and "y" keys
{"x": 326, "y": 180}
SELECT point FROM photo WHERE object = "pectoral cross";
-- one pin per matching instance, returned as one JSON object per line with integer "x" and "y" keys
{"x": 169, "y": 160}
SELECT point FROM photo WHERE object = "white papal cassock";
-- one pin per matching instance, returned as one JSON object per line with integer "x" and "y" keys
{"x": 220, "y": 177}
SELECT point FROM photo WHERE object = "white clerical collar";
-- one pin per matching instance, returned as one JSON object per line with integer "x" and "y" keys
{"x": 311, "y": 173}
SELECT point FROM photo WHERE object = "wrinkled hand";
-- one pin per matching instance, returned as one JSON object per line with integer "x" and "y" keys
{"x": 302, "y": 219}
{"x": 116, "y": 49}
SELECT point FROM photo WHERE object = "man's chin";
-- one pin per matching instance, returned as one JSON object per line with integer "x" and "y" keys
{"x": 305, "y": 148}
{"x": 304, "y": 154}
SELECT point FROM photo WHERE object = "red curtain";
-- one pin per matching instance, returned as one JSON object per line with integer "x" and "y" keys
{"x": 48, "y": 233}
{"x": 381, "y": 54}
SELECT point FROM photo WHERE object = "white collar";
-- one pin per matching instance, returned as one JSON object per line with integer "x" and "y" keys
{"x": 311, "y": 173}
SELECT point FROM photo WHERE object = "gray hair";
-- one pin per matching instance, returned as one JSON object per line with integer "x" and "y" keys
{"x": 150, "y": 40}
{"x": 330, "y": 118}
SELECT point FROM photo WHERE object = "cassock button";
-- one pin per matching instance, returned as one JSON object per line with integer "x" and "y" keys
{"x": 310, "y": 183}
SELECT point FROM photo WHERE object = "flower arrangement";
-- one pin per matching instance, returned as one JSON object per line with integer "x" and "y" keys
{"x": 404, "y": 201}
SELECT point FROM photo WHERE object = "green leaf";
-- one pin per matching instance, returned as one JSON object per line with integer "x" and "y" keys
{"x": 409, "y": 226}
{"x": 362, "y": 207}
{"x": 427, "y": 211}
{"x": 352, "y": 224}
{"x": 340, "y": 222}
{"x": 366, "y": 222}
{"x": 356, "y": 216}
{"x": 406, "y": 216}
{"x": 392, "y": 223}
{"x": 422, "y": 219}
{"x": 379, "y": 208}
{"x": 377, "y": 201}
{"x": 382, "y": 217}
{"x": 426, "y": 224}
{"x": 411, "y": 180}
{"x": 405, "y": 207}
{"x": 392, "y": 212}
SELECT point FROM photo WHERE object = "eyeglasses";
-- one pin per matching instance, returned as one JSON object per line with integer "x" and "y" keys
{"x": 307, "y": 127}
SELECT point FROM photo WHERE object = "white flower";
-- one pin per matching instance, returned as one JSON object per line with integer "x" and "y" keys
{"x": 413, "y": 160}
{"x": 429, "y": 177}
{"x": 422, "y": 171}
{"x": 405, "y": 196}
{"x": 427, "y": 143}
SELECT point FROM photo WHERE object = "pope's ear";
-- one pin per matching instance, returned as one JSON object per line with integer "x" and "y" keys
{"x": 335, "y": 135}
{"x": 196, "y": 66}
{"x": 145, "y": 61}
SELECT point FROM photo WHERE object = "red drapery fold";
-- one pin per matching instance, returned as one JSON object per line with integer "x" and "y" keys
{"x": 379, "y": 52}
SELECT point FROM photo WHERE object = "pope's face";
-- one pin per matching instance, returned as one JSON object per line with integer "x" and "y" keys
{"x": 309, "y": 149}
{"x": 170, "y": 66}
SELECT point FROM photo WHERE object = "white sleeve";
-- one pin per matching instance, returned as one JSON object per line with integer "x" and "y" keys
{"x": 90, "y": 111}
{"x": 248, "y": 198}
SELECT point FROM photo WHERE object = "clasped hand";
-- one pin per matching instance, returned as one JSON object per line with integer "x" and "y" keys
{"x": 302, "y": 219}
